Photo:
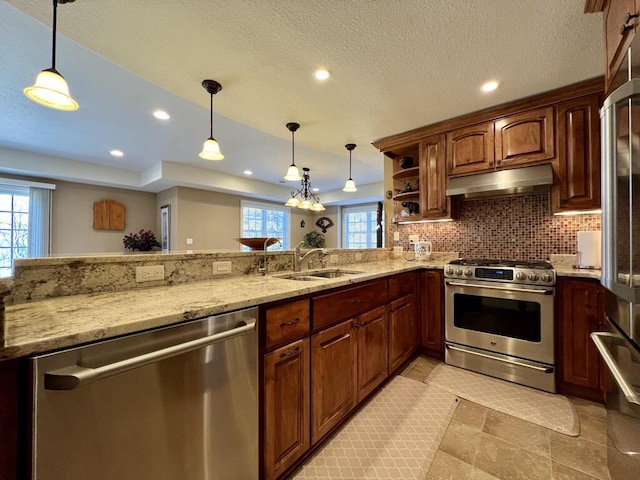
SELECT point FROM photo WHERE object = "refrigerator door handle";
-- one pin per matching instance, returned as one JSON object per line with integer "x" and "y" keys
{"x": 73, "y": 376}
{"x": 627, "y": 390}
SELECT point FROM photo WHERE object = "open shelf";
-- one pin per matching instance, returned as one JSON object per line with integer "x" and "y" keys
{"x": 406, "y": 196}
{"x": 406, "y": 173}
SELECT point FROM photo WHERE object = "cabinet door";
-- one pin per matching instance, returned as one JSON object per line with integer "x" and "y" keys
{"x": 403, "y": 331}
{"x": 286, "y": 407}
{"x": 470, "y": 149}
{"x": 432, "y": 311}
{"x": 618, "y": 38}
{"x": 578, "y": 165}
{"x": 372, "y": 350}
{"x": 525, "y": 138}
{"x": 333, "y": 382}
{"x": 433, "y": 178}
{"x": 580, "y": 313}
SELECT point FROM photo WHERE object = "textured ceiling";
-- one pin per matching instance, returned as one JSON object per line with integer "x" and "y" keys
{"x": 396, "y": 65}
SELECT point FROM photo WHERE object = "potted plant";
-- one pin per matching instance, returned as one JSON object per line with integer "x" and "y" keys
{"x": 143, "y": 241}
{"x": 314, "y": 240}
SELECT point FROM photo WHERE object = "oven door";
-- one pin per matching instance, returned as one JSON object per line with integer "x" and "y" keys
{"x": 513, "y": 320}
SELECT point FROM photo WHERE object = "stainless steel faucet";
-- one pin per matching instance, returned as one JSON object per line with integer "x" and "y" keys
{"x": 297, "y": 260}
{"x": 264, "y": 269}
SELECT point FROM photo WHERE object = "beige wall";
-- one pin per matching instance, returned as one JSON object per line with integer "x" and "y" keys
{"x": 72, "y": 218}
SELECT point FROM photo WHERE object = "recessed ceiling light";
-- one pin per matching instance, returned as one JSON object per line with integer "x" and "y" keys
{"x": 321, "y": 74}
{"x": 315, "y": 189}
{"x": 248, "y": 172}
{"x": 489, "y": 86}
{"x": 117, "y": 153}
{"x": 161, "y": 115}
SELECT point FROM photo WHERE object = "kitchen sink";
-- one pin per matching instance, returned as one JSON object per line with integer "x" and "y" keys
{"x": 318, "y": 274}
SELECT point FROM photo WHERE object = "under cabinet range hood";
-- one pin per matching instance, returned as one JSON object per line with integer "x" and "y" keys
{"x": 537, "y": 179}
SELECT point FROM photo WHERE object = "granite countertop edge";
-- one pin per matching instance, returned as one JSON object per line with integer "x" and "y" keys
{"x": 43, "y": 326}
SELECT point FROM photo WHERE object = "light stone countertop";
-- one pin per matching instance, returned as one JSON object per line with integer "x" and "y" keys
{"x": 564, "y": 267}
{"x": 38, "y": 327}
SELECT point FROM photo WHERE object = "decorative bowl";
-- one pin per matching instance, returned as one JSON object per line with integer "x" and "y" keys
{"x": 256, "y": 243}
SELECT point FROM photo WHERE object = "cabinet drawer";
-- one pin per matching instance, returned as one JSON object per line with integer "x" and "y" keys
{"x": 287, "y": 322}
{"x": 333, "y": 307}
{"x": 401, "y": 285}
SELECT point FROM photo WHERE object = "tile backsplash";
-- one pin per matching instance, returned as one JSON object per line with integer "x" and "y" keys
{"x": 516, "y": 227}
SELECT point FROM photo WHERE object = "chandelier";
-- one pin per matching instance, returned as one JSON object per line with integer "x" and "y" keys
{"x": 303, "y": 197}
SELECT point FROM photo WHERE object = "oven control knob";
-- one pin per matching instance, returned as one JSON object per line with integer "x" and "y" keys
{"x": 449, "y": 271}
{"x": 533, "y": 277}
{"x": 468, "y": 272}
{"x": 546, "y": 277}
{"x": 521, "y": 276}
{"x": 458, "y": 271}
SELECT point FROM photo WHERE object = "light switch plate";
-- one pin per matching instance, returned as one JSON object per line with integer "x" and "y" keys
{"x": 150, "y": 273}
{"x": 396, "y": 236}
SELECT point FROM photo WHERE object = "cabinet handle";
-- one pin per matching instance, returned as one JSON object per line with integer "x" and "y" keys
{"x": 357, "y": 300}
{"x": 290, "y": 353}
{"x": 292, "y": 322}
{"x": 359, "y": 325}
{"x": 625, "y": 27}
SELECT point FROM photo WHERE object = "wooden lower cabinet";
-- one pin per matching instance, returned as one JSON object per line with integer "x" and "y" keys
{"x": 403, "y": 330}
{"x": 432, "y": 311}
{"x": 580, "y": 311}
{"x": 372, "y": 346}
{"x": 286, "y": 406}
{"x": 333, "y": 353}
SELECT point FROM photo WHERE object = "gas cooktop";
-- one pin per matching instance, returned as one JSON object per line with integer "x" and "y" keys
{"x": 491, "y": 262}
{"x": 499, "y": 270}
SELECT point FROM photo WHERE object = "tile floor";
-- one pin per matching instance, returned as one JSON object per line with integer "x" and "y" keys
{"x": 483, "y": 444}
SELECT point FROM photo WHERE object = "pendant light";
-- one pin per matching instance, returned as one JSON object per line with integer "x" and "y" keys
{"x": 293, "y": 174}
{"x": 211, "y": 149}
{"x": 304, "y": 197}
{"x": 51, "y": 89}
{"x": 350, "y": 185}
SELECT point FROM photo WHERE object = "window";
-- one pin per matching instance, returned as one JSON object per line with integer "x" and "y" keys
{"x": 24, "y": 221}
{"x": 360, "y": 226}
{"x": 265, "y": 220}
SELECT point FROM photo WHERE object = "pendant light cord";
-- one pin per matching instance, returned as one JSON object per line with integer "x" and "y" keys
{"x": 211, "y": 113}
{"x": 293, "y": 152}
{"x": 350, "y": 165}
{"x": 53, "y": 43}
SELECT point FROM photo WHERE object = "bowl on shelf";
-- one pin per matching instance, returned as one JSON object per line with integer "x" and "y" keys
{"x": 257, "y": 243}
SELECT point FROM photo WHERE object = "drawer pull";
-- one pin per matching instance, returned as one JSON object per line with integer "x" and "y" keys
{"x": 357, "y": 300}
{"x": 290, "y": 353}
{"x": 292, "y": 322}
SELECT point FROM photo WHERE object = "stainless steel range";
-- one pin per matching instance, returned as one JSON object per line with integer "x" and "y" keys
{"x": 499, "y": 319}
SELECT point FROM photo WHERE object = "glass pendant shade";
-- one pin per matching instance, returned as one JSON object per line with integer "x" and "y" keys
{"x": 317, "y": 207}
{"x": 211, "y": 150}
{"x": 292, "y": 202}
{"x": 293, "y": 174}
{"x": 51, "y": 90}
{"x": 350, "y": 186}
{"x": 305, "y": 205}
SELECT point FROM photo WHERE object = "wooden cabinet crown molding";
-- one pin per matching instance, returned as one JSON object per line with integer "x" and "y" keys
{"x": 569, "y": 92}
{"x": 594, "y": 6}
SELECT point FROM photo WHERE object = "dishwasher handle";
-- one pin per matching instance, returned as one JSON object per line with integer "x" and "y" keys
{"x": 74, "y": 376}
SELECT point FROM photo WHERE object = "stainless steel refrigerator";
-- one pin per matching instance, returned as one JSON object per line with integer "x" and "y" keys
{"x": 620, "y": 345}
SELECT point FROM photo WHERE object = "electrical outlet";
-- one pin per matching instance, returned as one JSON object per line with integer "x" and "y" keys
{"x": 397, "y": 251}
{"x": 396, "y": 236}
{"x": 189, "y": 241}
{"x": 150, "y": 273}
{"x": 220, "y": 268}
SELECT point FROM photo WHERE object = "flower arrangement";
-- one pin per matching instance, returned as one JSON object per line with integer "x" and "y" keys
{"x": 143, "y": 241}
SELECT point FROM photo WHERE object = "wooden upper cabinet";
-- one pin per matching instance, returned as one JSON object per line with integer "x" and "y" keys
{"x": 471, "y": 149}
{"x": 433, "y": 178}
{"x": 619, "y": 31}
{"x": 108, "y": 215}
{"x": 578, "y": 163}
{"x": 524, "y": 138}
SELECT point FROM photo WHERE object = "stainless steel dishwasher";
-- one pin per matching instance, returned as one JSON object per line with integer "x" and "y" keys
{"x": 179, "y": 402}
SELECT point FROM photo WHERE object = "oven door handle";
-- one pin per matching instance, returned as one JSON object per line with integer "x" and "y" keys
{"x": 491, "y": 357}
{"x": 627, "y": 390}
{"x": 506, "y": 289}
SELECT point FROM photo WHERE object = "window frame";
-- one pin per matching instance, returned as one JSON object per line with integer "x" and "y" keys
{"x": 360, "y": 208}
{"x": 286, "y": 238}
